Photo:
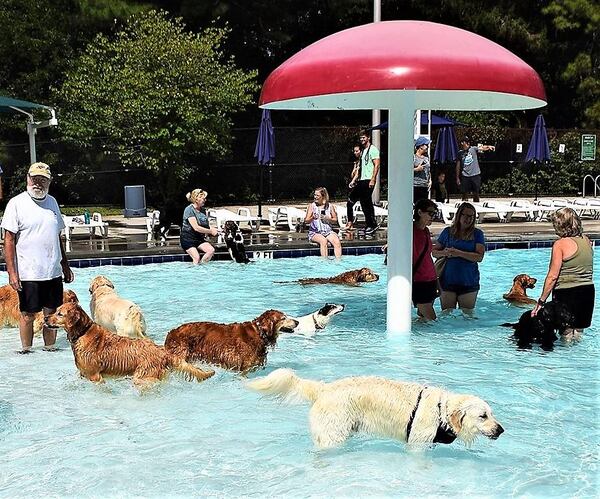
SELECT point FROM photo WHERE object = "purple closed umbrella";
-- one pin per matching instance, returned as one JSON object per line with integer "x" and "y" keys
{"x": 539, "y": 150}
{"x": 446, "y": 149}
{"x": 264, "y": 150}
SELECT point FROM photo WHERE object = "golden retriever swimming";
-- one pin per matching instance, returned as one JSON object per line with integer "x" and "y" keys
{"x": 113, "y": 312}
{"x": 518, "y": 292}
{"x": 409, "y": 412}
{"x": 241, "y": 346}
{"x": 350, "y": 278}
{"x": 10, "y": 313}
{"x": 99, "y": 352}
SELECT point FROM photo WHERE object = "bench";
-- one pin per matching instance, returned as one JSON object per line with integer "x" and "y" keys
{"x": 78, "y": 222}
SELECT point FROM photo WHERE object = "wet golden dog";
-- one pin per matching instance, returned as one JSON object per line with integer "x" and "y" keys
{"x": 10, "y": 313}
{"x": 518, "y": 292}
{"x": 241, "y": 346}
{"x": 113, "y": 312}
{"x": 409, "y": 412}
{"x": 99, "y": 352}
{"x": 350, "y": 278}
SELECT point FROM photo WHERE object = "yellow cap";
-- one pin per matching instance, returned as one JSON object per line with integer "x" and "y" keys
{"x": 41, "y": 169}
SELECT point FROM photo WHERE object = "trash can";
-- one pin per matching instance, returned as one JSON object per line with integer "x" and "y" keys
{"x": 135, "y": 201}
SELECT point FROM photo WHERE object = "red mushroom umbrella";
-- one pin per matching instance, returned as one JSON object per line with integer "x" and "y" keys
{"x": 403, "y": 66}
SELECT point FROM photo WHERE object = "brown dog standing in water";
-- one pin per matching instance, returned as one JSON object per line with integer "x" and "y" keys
{"x": 99, "y": 352}
{"x": 518, "y": 292}
{"x": 241, "y": 346}
{"x": 350, "y": 278}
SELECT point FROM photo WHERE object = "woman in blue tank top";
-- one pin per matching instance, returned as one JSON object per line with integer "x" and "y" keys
{"x": 464, "y": 246}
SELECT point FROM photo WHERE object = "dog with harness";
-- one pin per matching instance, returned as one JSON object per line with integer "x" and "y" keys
{"x": 235, "y": 242}
{"x": 311, "y": 323}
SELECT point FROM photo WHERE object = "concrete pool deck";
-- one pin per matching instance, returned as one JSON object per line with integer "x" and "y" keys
{"x": 129, "y": 237}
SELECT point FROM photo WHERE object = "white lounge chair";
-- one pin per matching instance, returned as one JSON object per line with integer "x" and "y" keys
{"x": 78, "y": 222}
{"x": 525, "y": 207}
{"x": 287, "y": 215}
{"x": 503, "y": 211}
{"x": 447, "y": 211}
{"x": 222, "y": 215}
{"x": 587, "y": 206}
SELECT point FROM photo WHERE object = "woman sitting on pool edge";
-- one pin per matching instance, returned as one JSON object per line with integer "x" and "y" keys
{"x": 195, "y": 228}
{"x": 320, "y": 215}
{"x": 464, "y": 246}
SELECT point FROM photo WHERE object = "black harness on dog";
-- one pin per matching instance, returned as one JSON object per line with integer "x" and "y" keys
{"x": 443, "y": 433}
{"x": 317, "y": 325}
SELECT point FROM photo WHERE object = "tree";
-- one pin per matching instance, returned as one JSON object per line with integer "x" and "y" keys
{"x": 156, "y": 92}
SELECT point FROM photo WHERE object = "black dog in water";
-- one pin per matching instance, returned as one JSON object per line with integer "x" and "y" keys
{"x": 235, "y": 242}
{"x": 542, "y": 328}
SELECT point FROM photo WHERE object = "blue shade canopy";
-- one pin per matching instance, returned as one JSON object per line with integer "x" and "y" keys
{"x": 8, "y": 105}
{"x": 539, "y": 150}
{"x": 446, "y": 148}
{"x": 265, "y": 143}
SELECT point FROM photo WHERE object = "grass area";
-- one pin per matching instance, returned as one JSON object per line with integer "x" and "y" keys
{"x": 103, "y": 210}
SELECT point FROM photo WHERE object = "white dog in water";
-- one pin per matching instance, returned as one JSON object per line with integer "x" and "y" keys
{"x": 113, "y": 312}
{"x": 409, "y": 412}
{"x": 311, "y": 323}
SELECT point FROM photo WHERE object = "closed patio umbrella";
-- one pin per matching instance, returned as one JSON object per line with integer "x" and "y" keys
{"x": 446, "y": 148}
{"x": 539, "y": 149}
{"x": 264, "y": 151}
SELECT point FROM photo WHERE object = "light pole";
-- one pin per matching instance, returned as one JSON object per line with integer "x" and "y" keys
{"x": 376, "y": 116}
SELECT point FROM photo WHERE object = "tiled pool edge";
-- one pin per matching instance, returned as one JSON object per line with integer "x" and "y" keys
{"x": 276, "y": 253}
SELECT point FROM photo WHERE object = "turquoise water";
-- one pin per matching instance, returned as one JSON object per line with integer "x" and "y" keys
{"x": 62, "y": 436}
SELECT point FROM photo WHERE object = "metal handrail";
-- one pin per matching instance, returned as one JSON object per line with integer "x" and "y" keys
{"x": 595, "y": 180}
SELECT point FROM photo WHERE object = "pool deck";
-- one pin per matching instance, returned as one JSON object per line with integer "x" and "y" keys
{"x": 129, "y": 237}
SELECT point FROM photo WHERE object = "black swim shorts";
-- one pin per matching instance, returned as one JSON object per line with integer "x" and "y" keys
{"x": 35, "y": 295}
{"x": 424, "y": 292}
{"x": 580, "y": 301}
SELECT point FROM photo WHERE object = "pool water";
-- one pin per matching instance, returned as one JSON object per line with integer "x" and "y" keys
{"x": 62, "y": 436}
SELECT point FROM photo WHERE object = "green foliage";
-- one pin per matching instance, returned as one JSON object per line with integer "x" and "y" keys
{"x": 563, "y": 176}
{"x": 157, "y": 93}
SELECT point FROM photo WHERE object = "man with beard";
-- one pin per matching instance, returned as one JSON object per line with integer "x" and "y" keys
{"x": 35, "y": 257}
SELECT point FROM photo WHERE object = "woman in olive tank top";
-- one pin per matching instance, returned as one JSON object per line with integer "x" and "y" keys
{"x": 569, "y": 277}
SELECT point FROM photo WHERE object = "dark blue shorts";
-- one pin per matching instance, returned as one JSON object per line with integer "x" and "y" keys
{"x": 188, "y": 241}
{"x": 460, "y": 289}
{"x": 35, "y": 295}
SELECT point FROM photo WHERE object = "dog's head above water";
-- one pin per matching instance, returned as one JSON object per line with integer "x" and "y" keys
{"x": 330, "y": 309}
{"x": 367, "y": 275}
{"x": 525, "y": 281}
{"x": 273, "y": 322}
{"x": 100, "y": 281}
{"x": 71, "y": 317}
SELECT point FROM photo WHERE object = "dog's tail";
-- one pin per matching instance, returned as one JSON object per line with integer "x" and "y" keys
{"x": 284, "y": 383}
{"x": 189, "y": 371}
{"x": 135, "y": 318}
{"x": 509, "y": 324}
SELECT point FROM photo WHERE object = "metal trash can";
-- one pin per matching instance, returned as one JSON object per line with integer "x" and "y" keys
{"x": 135, "y": 201}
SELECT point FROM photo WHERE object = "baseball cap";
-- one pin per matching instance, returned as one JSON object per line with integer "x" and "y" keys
{"x": 41, "y": 169}
{"x": 422, "y": 141}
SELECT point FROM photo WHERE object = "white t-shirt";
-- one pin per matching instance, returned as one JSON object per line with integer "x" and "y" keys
{"x": 37, "y": 225}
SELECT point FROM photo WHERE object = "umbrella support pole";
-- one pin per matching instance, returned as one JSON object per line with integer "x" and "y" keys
{"x": 400, "y": 197}
{"x": 261, "y": 169}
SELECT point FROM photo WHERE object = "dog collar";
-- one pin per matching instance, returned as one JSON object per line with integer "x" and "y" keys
{"x": 317, "y": 325}
{"x": 444, "y": 433}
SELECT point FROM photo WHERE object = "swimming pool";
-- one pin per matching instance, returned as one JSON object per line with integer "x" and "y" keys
{"x": 62, "y": 436}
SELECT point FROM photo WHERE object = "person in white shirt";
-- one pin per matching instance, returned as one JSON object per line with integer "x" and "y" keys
{"x": 35, "y": 257}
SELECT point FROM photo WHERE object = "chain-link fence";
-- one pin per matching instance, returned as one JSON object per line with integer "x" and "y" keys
{"x": 306, "y": 157}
